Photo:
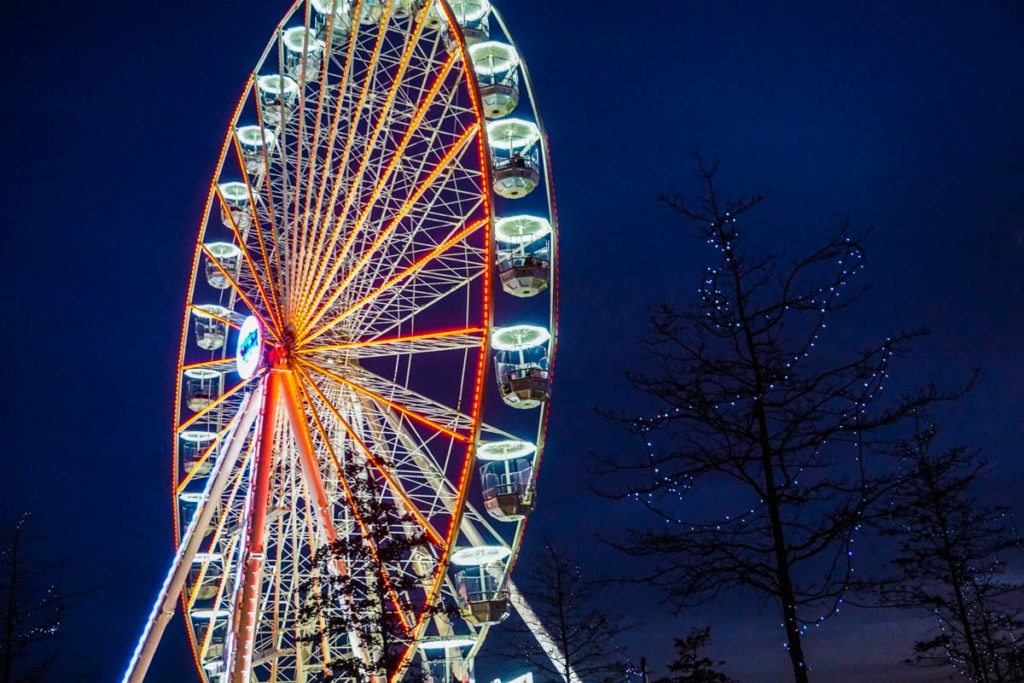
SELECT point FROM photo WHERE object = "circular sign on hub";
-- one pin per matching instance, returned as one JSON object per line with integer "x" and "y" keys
{"x": 250, "y": 348}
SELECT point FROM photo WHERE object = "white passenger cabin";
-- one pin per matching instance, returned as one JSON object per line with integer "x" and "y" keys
{"x": 521, "y": 365}
{"x": 234, "y": 206}
{"x": 222, "y": 262}
{"x": 523, "y": 248}
{"x": 302, "y": 51}
{"x": 256, "y": 143}
{"x": 480, "y": 586}
{"x": 332, "y": 18}
{"x": 515, "y": 156}
{"x": 210, "y": 326}
{"x": 497, "y": 70}
{"x": 472, "y": 18}
{"x": 194, "y": 445}
{"x": 277, "y": 96}
{"x": 202, "y": 387}
{"x": 506, "y": 477}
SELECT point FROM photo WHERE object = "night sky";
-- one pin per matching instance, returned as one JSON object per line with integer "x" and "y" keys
{"x": 902, "y": 116}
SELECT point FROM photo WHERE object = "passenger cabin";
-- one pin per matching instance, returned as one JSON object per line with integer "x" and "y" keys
{"x": 332, "y": 17}
{"x": 234, "y": 206}
{"x": 446, "y": 659}
{"x": 202, "y": 387}
{"x": 222, "y": 262}
{"x": 194, "y": 445}
{"x": 256, "y": 144}
{"x": 302, "y": 51}
{"x": 480, "y": 586}
{"x": 277, "y": 95}
{"x": 515, "y": 156}
{"x": 523, "y": 248}
{"x": 472, "y": 18}
{"x": 521, "y": 365}
{"x": 205, "y": 580}
{"x": 507, "y": 478}
{"x": 497, "y": 70}
{"x": 210, "y": 326}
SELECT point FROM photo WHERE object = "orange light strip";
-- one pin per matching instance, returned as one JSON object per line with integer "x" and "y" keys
{"x": 189, "y": 422}
{"x": 270, "y": 210}
{"x": 206, "y": 364}
{"x": 203, "y": 458}
{"x": 276, "y": 307}
{"x": 238, "y": 290}
{"x": 395, "y": 487}
{"x": 269, "y": 300}
{"x": 354, "y": 507}
{"x": 482, "y": 356}
{"x": 308, "y": 460}
{"x": 321, "y": 283}
{"x": 390, "y": 340}
{"x": 293, "y": 264}
{"x": 181, "y": 349}
{"x": 207, "y": 314}
{"x": 314, "y": 481}
{"x": 356, "y": 112}
{"x": 487, "y": 313}
{"x": 386, "y": 232}
{"x": 385, "y": 110}
{"x": 401, "y": 275}
{"x": 391, "y": 404}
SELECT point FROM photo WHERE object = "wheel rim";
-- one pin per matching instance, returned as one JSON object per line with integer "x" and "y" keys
{"x": 350, "y": 219}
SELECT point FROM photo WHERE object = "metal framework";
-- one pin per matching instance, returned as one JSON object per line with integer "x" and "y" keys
{"x": 344, "y": 293}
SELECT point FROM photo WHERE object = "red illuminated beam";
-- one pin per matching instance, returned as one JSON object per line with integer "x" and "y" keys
{"x": 384, "y": 473}
{"x": 391, "y": 404}
{"x": 320, "y": 283}
{"x": 410, "y": 270}
{"x": 448, "y": 334}
{"x": 246, "y": 615}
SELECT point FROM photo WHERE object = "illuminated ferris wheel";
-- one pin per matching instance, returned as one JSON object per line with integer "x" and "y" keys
{"x": 369, "y": 327}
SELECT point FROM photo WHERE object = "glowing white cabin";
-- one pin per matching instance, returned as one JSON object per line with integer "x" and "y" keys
{"x": 480, "y": 585}
{"x": 497, "y": 70}
{"x": 521, "y": 365}
{"x": 277, "y": 96}
{"x": 202, "y": 386}
{"x": 515, "y": 156}
{"x": 524, "y": 254}
{"x": 222, "y": 262}
{"x": 256, "y": 143}
{"x": 210, "y": 326}
{"x": 302, "y": 53}
{"x": 506, "y": 478}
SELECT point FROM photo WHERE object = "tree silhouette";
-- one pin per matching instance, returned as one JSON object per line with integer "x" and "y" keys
{"x": 950, "y": 561}
{"x": 569, "y": 608}
{"x": 690, "y": 666}
{"x": 32, "y": 607}
{"x": 748, "y": 411}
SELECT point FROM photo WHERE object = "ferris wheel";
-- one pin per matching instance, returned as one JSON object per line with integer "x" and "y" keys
{"x": 366, "y": 351}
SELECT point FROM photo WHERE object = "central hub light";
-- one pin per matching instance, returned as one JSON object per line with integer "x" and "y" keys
{"x": 250, "y": 348}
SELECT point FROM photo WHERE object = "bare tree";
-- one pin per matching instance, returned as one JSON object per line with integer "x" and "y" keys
{"x": 950, "y": 561}
{"x": 569, "y": 607}
{"x": 748, "y": 411}
{"x": 32, "y": 608}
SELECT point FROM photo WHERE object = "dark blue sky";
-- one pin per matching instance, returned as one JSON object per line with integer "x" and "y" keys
{"x": 902, "y": 116}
